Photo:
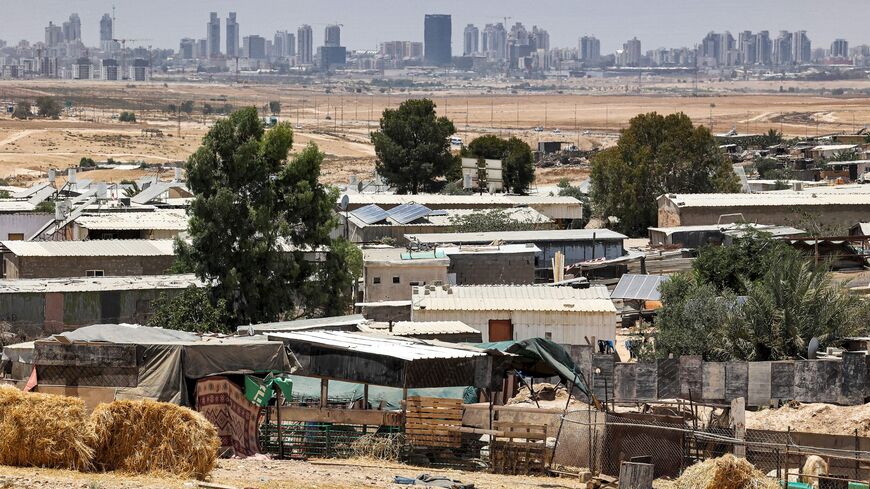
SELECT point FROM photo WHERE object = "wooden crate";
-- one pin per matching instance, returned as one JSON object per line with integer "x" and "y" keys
{"x": 519, "y": 449}
{"x": 433, "y": 422}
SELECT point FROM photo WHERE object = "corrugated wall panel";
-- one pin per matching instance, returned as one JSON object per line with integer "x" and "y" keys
{"x": 81, "y": 309}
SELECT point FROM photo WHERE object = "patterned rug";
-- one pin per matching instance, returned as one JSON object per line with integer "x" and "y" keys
{"x": 224, "y": 404}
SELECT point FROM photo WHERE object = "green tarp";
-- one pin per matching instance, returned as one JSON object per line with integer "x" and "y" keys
{"x": 539, "y": 357}
{"x": 260, "y": 391}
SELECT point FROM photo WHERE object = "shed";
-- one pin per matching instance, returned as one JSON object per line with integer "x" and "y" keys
{"x": 492, "y": 264}
{"x": 389, "y": 273}
{"x": 155, "y": 224}
{"x": 564, "y": 315}
{"x": 449, "y": 331}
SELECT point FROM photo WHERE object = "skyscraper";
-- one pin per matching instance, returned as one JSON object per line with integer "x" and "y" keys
{"x": 840, "y": 48}
{"x": 53, "y": 35}
{"x": 782, "y": 51}
{"x": 213, "y": 35}
{"x": 632, "y": 52}
{"x": 471, "y": 40}
{"x": 332, "y": 36}
{"x": 802, "y": 49}
{"x": 494, "y": 44}
{"x": 232, "y": 36}
{"x": 590, "y": 49}
{"x": 540, "y": 38}
{"x": 107, "y": 33}
{"x": 72, "y": 29}
{"x": 747, "y": 48}
{"x": 187, "y": 48}
{"x": 763, "y": 48}
{"x": 437, "y": 39}
{"x": 305, "y": 45}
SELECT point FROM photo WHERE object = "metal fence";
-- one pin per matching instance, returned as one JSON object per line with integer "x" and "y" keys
{"x": 674, "y": 441}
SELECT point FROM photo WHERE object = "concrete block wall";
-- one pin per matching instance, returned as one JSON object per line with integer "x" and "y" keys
{"x": 112, "y": 266}
{"x": 835, "y": 381}
{"x": 493, "y": 269}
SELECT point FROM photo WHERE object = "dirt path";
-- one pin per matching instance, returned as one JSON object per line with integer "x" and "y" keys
{"x": 274, "y": 474}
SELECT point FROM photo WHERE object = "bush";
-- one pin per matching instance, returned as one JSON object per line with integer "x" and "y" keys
{"x": 22, "y": 111}
{"x": 48, "y": 107}
{"x": 127, "y": 117}
{"x": 86, "y": 162}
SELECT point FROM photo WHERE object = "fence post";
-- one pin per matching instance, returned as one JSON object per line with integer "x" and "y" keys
{"x": 738, "y": 422}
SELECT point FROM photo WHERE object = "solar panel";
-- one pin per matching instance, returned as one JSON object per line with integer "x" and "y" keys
{"x": 638, "y": 287}
{"x": 407, "y": 213}
{"x": 370, "y": 214}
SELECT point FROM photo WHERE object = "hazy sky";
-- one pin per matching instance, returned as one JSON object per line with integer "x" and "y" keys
{"x": 657, "y": 23}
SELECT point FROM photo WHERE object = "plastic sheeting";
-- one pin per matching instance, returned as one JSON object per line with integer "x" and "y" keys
{"x": 307, "y": 389}
{"x": 539, "y": 357}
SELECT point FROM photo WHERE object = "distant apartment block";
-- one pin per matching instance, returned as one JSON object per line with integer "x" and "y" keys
{"x": 471, "y": 40}
{"x": 305, "y": 45}
{"x": 232, "y": 31}
{"x": 213, "y": 35}
{"x": 437, "y": 39}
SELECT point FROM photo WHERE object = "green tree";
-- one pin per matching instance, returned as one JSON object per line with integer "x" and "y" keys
{"x": 488, "y": 221}
{"x": 655, "y": 155}
{"x": 518, "y": 170}
{"x": 190, "y": 310}
{"x": 772, "y": 138}
{"x": 87, "y": 162}
{"x": 46, "y": 206}
{"x": 275, "y": 107}
{"x": 48, "y": 107}
{"x": 413, "y": 146}
{"x": 255, "y": 217}
{"x": 22, "y": 111}
{"x": 127, "y": 117}
{"x": 187, "y": 107}
{"x": 4, "y": 194}
{"x": 735, "y": 266}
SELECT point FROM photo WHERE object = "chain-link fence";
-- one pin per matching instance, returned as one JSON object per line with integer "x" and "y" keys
{"x": 674, "y": 440}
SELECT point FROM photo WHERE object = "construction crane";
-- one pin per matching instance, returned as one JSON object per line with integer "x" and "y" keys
{"x": 124, "y": 74}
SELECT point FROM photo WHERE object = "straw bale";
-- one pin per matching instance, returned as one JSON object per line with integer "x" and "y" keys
{"x": 154, "y": 438}
{"x": 43, "y": 430}
{"x": 727, "y": 472}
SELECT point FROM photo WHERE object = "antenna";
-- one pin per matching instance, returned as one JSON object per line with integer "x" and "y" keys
{"x": 113, "y": 20}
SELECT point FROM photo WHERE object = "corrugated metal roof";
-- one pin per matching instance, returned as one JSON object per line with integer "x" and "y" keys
{"x": 405, "y": 349}
{"x": 173, "y": 220}
{"x": 443, "y": 199}
{"x": 303, "y": 324}
{"x": 491, "y": 250}
{"x": 396, "y": 256}
{"x": 521, "y": 214}
{"x": 778, "y": 199}
{"x": 864, "y": 228}
{"x": 96, "y": 284}
{"x": 16, "y": 206}
{"x": 408, "y": 328}
{"x": 512, "y": 298}
{"x": 97, "y": 247}
{"x": 638, "y": 287}
{"x": 519, "y": 236}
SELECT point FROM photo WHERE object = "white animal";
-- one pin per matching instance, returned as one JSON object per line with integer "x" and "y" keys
{"x": 813, "y": 467}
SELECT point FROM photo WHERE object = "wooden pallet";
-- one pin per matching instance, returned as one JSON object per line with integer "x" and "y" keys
{"x": 520, "y": 449}
{"x": 433, "y": 422}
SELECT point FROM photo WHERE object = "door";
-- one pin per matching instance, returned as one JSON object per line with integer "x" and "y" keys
{"x": 501, "y": 330}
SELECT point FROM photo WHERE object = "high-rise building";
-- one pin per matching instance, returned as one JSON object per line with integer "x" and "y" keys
{"x": 471, "y": 40}
{"x": 107, "y": 33}
{"x": 53, "y": 35}
{"x": 747, "y": 48}
{"x": 590, "y": 49}
{"x": 494, "y": 42}
{"x": 232, "y": 36}
{"x": 187, "y": 48}
{"x": 254, "y": 47}
{"x": 72, "y": 29}
{"x": 291, "y": 44}
{"x": 437, "y": 39}
{"x": 540, "y": 39}
{"x": 782, "y": 49}
{"x": 202, "y": 49}
{"x": 109, "y": 71}
{"x": 763, "y": 49}
{"x": 332, "y": 36}
{"x": 632, "y": 52}
{"x": 82, "y": 69}
{"x": 213, "y": 35}
{"x": 802, "y": 48}
{"x": 139, "y": 70}
{"x": 305, "y": 45}
{"x": 840, "y": 48}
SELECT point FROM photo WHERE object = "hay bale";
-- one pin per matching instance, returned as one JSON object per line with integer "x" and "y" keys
{"x": 154, "y": 438}
{"x": 43, "y": 430}
{"x": 727, "y": 472}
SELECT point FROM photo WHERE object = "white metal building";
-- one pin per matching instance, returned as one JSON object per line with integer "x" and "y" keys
{"x": 516, "y": 312}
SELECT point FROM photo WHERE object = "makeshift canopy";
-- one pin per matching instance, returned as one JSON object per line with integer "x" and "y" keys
{"x": 307, "y": 389}
{"x": 539, "y": 357}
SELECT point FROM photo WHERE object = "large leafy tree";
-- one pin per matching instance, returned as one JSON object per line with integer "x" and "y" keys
{"x": 655, "y": 155}
{"x": 255, "y": 217}
{"x": 518, "y": 170}
{"x": 413, "y": 146}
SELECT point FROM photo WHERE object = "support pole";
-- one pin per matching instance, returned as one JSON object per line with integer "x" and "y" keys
{"x": 324, "y": 393}
{"x": 280, "y": 428}
{"x": 738, "y": 422}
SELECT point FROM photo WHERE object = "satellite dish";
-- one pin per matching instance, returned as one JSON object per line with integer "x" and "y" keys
{"x": 360, "y": 187}
{"x": 345, "y": 201}
{"x": 813, "y": 348}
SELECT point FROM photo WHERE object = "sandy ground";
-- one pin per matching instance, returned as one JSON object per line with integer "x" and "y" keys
{"x": 334, "y": 115}
{"x": 274, "y": 474}
{"x": 813, "y": 418}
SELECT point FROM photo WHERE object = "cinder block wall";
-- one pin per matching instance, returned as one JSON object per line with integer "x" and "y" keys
{"x": 61, "y": 267}
{"x": 493, "y": 269}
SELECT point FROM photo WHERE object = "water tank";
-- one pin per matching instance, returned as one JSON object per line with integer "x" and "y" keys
{"x": 102, "y": 191}
{"x": 52, "y": 175}
{"x": 71, "y": 176}
{"x": 59, "y": 210}
{"x": 797, "y": 186}
{"x": 177, "y": 174}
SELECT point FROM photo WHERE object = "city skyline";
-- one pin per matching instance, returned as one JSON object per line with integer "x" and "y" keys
{"x": 565, "y": 21}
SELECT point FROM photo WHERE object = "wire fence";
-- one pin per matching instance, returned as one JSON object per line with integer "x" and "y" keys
{"x": 672, "y": 442}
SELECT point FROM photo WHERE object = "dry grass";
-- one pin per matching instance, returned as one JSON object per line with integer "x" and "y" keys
{"x": 378, "y": 446}
{"x": 43, "y": 430}
{"x": 726, "y": 472}
{"x": 147, "y": 437}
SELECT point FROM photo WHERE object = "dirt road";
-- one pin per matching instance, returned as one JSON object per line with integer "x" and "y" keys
{"x": 273, "y": 474}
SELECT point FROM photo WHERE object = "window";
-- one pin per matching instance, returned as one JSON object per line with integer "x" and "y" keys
{"x": 396, "y": 279}
{"x": 548, "y": 335}
{"x": 415, "y": 283}
{"x": 16, "y": 236}
{"x": 94, "y": 273}
{"x": 376, "y": 280}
